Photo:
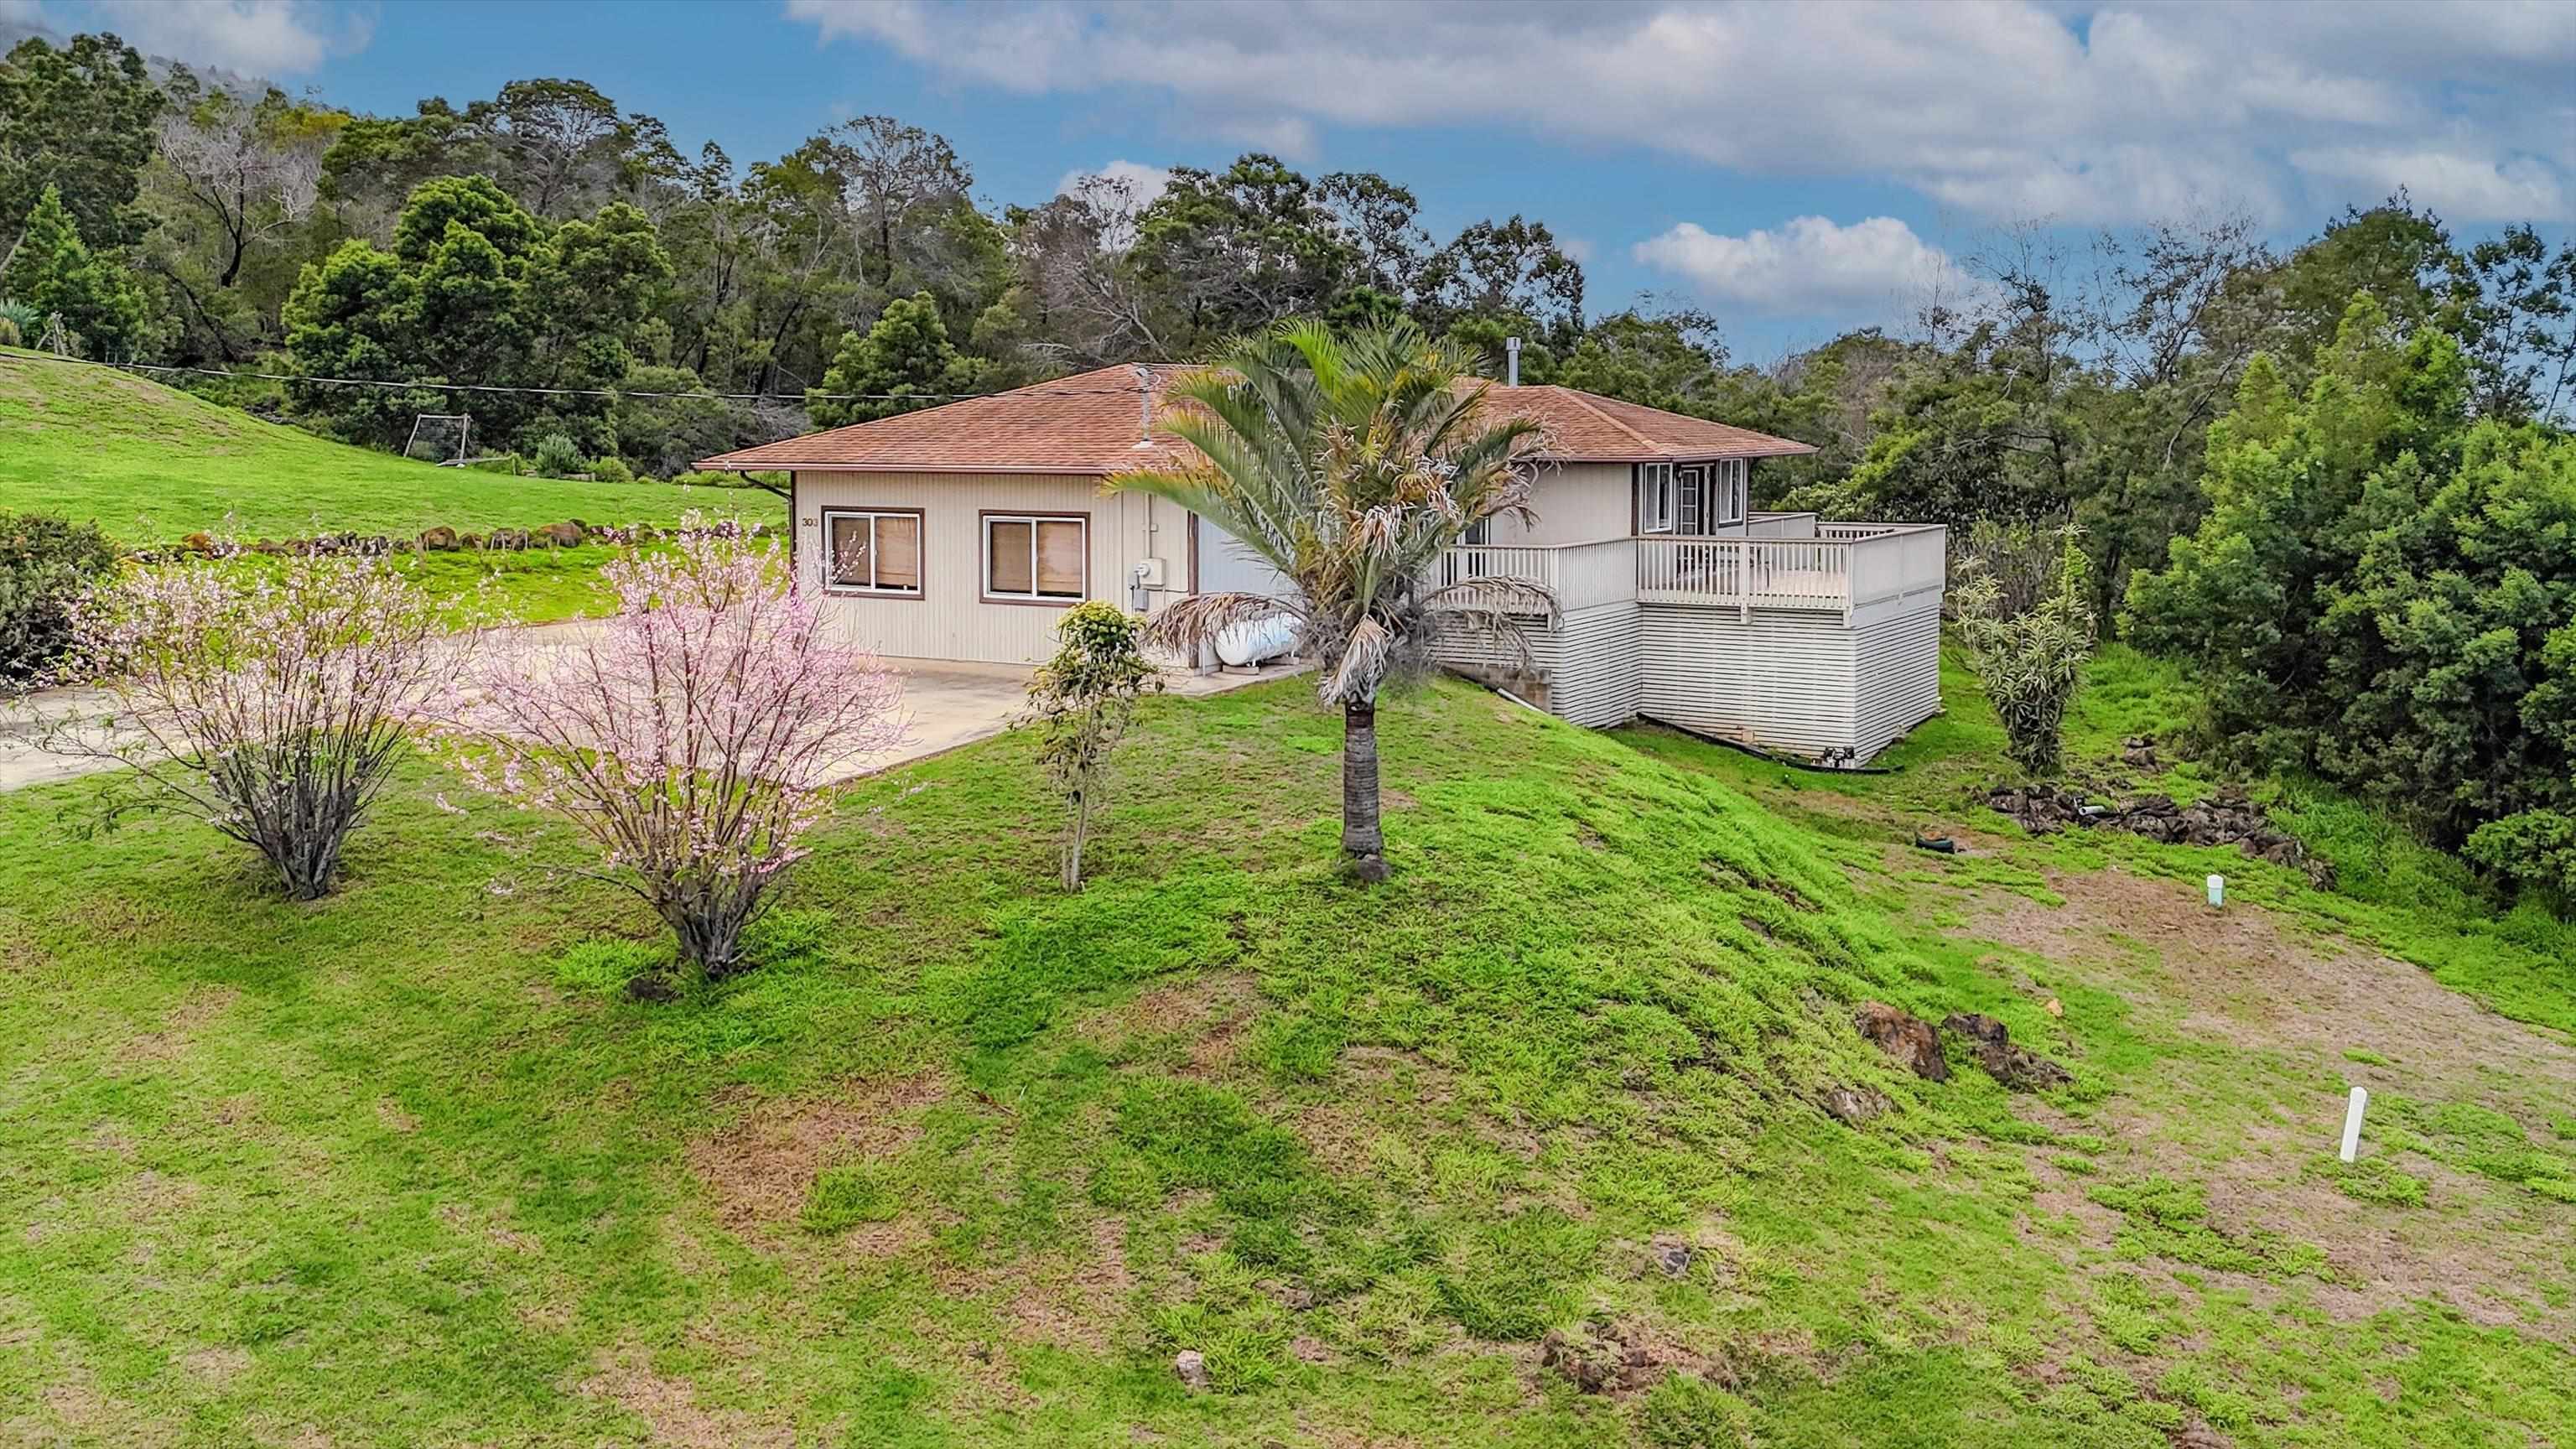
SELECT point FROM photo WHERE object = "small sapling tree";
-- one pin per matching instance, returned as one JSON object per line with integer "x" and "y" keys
{"x": 1080, "y": 703}
{"x": 270, "y": 698}
{"x": 693, "y": 736}
{"x": 2030, "y": 660}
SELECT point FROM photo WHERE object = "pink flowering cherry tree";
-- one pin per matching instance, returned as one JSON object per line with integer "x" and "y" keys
{"x": 270, "y": 698}
{"x": 693, "y": 736}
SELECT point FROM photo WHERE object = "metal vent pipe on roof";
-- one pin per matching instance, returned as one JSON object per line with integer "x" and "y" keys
{"x": 1511, "y": 362}
{"x": 1144, "y": 405}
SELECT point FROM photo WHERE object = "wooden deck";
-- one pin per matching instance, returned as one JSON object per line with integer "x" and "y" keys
{"x": 1791, "y": 562}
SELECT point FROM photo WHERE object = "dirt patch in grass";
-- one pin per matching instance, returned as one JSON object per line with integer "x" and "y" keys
{"x": 2255, "y": 1126}
{"x": 2237, "y": 975}
{"x": 216, "y": 1366}
{"x": 760, "y": 1168}
{"x": 670, "y": 1409}
{"x": 201, "y": 1005}
{"x": 1078, "y": 1308}
{"x": 1209, "y": 1010}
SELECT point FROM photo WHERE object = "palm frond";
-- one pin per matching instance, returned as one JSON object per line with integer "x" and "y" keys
{"x": 1186, "y": 624}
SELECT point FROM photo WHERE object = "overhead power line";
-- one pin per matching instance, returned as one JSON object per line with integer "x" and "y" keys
{"x": 488, "y": 387}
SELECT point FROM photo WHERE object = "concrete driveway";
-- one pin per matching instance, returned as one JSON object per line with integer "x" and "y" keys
{"x": 949, "y": 703}
{"x": 946, "y": 704}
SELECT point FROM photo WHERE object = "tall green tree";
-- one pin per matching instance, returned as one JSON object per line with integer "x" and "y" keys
{"x": 906, "y": 355}
{"x": 53, "y": 272}
{"x": 1237, "y": 250}
{"x": 476, "y": 290}
{"x": 77, "y": 120}
{"x": 1507, "y": 268}
{"x": 2382, "y": 589}
{"x": 1350, "y": 465}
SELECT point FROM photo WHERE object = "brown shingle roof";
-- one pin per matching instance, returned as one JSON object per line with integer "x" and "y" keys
{"x": 1090, "y": 423}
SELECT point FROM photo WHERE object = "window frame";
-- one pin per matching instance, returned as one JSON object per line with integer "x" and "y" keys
{"x": 984, "y": 521}
{"x": 872, "y": 512}
{"x": 1730, "y": 480}
{"x": 1649, "y": 477}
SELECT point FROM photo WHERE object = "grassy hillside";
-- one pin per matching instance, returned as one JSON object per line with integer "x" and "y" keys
{"x": 150, "y": 463}
{"x": 969, "y": 1160}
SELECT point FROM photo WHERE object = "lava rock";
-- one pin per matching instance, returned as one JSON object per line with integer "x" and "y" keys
{"x": 563, "y": 535}
{"x": 2017, "y": 1067}
{"x": 2226, "y": 818}
{"x": 1907, "y": 1037}
{"x": 1191, "y": 1365}
{"x": 441, "y": 539}
{"x": 1852, "y": 1106}
{"x": 652, "y": 986}
{"x": 1673, "y": 1256}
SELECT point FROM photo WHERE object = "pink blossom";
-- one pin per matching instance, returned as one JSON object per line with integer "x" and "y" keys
{"x": 692, "y": 737}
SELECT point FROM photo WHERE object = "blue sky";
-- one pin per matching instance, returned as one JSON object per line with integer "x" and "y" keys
{"x": 1793, "y": 168}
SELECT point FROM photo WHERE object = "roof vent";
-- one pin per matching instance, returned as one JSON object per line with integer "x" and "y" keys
{"x": 1144, "y": 405}
{"x": 1511, "y": 362}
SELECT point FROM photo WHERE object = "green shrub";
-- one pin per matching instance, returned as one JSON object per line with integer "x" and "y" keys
{"x": 27, "y": 321}
{"x": 611, "y": 469}
{"x": 557, "y": 456}
{"x": 44, "y": 563}
{"x": 1080, "y": 703}
{"x": 10, "y": 336}
{"x": 2534, "y": 847}
{"x": 2031, "y": 659}
{"x": 2381, "y": 594}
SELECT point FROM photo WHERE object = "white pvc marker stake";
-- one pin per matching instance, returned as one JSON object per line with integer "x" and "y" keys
{"x": 2352, "y": 1122}
{"x": 2218, "y": 890}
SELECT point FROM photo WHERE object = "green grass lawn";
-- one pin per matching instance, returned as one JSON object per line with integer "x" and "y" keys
{"x": 153, "y": 464}
{"x": 968, "y": 1160}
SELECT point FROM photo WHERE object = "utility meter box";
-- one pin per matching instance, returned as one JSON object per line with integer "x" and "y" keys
{"x": 1149, "y": 572}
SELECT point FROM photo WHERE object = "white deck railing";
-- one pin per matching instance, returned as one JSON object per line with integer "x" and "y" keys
{"x": 1795, "y": 562}
{"x": 1579, "y": 575}
{"x": 1841, "y": 567}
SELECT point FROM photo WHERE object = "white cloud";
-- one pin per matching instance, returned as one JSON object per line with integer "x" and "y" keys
{"x": 263, "y": 38}
{"x": 1810, "y": 265}
{"x": 1143, "y": 182}
{"x": 2452, "y": 184}
{"x": 2005, "y": 107}
{"x": 23, "y": 13}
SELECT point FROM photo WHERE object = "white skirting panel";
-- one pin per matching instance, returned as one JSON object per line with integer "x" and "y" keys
{"x": 1781, "y": 680}
{"x": 1789, "y": 681}
{"x": 1897, "y": 670}
{"x": 1595, "y": 680}
{"x": 1586, "y": 658}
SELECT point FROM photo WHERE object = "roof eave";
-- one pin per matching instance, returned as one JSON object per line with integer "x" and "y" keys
{"x": 1782, "y": 449}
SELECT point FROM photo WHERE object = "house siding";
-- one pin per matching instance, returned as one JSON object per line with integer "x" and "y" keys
{"x": 951, "y": 619}
{"x": 1576, "y": 503}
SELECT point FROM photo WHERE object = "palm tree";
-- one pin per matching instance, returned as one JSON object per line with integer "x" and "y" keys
{"x": 1350, "y": 464}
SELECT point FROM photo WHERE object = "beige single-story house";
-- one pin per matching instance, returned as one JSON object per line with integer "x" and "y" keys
{"x": 958, "y": 532}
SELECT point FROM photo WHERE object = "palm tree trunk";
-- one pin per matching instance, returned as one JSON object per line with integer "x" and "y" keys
{"x": 1363, "y": 840}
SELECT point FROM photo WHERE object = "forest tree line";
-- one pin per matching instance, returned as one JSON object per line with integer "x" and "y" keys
{"x": 2182, "y": 382}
